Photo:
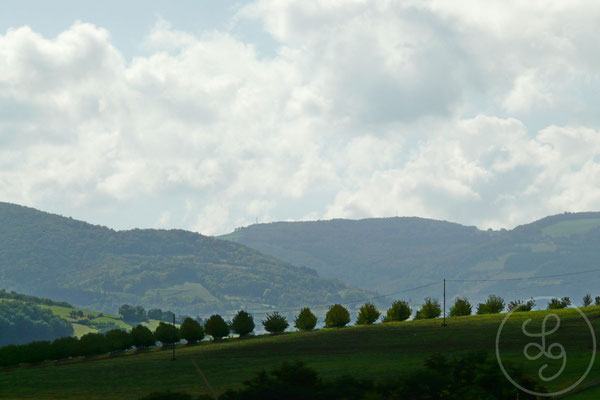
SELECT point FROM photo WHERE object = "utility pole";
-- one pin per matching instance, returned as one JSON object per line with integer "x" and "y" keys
{"x": 444, "y": 324}
{"x": 174, "y": 344}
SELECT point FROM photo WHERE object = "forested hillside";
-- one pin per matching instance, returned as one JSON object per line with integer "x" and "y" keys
{"x": 98, "y": 268}
{"x": 390, "y": 254}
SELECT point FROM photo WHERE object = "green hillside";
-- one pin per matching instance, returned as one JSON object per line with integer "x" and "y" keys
{"x": 389, "y": 254}
{"x": 376, "y": 352}
{"x": 97, "y": 268}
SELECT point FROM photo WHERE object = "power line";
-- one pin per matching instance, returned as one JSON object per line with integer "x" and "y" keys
{"x": 525, "y": 278}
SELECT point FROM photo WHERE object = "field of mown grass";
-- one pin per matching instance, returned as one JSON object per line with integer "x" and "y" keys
{"x": 380, "y": 351}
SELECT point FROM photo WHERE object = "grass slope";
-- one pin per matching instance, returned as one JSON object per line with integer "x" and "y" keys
{"x": 380, "y": 351}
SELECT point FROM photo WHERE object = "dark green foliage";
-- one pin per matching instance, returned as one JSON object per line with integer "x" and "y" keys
{"x": 306, "y": 320}
{"x": 587, "y": 300}
{"x": 461, "y": 307}
{"x": 119, "y": 340}
{"x": 399, "y": 311}
{"x": 32, "y": 299}
{"x": 337, "y": 316}
{"x": 521, "y": 306}
{"x": 242, "y": 323}
{"x": 431, "y": 309}
{"x": 94, "y": 343}
{"x": 597, "y": 301}
{"x": 368, "y": 314}
{"x": 65, "y": 347}
{"x": 557, "y": 304}
{"x": 275, "y": 323}
{"x": 24, "y": 322}
{"x": 142, "y": 337}
{"x": 166, "y": 333}
{"x": 493, "y": 305}
{"x": 98, "y": 268}
{"x": 133, "y": 314}
{"x": 191, "y": 331}
{"x": 216, "y": 327}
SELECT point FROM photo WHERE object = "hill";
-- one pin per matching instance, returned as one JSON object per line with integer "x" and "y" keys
{"x": 98, "y": 268}
{"x": 390, "y": 254}
{"x": 375, "y": 352}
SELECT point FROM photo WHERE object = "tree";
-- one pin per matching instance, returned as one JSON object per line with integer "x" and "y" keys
{"x": 119, "y": 340}
{"x": 275, "y": 323}
{"x": 557, "y": 304}
{"x": 166, "y": 333}
{"x": 399, "y": 311}
{"x": 216, "y": 327}
{"x": 368, "y": 314}
{"x": 306, "y": 320}
{"x": 242, "y": 323}
{"x": 520, "y": 306}
{"x": 191, "y": 331}
{"x": 133, "y": 314}
{"x": 493, "y": 305}
{"x": 597, "y": 300}
{"x": 65, "y": 347}
{"x": 142, "y": 337}
{"x": 431, "y": 309}
{"x": 461, "y": 307}
{"x": 155, "y": 313}
{"x": 587, "y": 300}
{"x": 337, "y": 316}
{"x": 93, "y": 343}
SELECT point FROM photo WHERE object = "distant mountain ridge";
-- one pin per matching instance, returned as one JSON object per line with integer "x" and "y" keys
{"x": 99, "y": 268}
{"x": 390, "y": 254}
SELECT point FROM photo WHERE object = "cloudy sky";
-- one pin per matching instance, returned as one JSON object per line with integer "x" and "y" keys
{"x": 209, "y": 115}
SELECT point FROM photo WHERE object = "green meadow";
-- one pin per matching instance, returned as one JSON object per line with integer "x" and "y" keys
{"x": 379, "y": 351}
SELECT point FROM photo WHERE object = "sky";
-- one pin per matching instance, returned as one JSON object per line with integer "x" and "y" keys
{"x": 211, "y": 115}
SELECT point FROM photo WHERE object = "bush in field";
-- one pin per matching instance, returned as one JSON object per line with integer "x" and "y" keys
{"x": 275, "y": 323}
{"x": 119, "y": 340}
{"x": 242, "y": 323}
{"x": 520, "y": 306}
{"x": 587, "y": 300}
{"x": 399, "y": 311}
{"x": 306, "y": 320}
{"x": 337, "y": 316}
{"x": 461, "y": 307}
{"x": 431, "y": 309}
{"x": 142, "y": 337}
{"x": 493, "y": 305}
{"x": 191, "y": 331}
{"x": 216, "y": 327}
{"x": 93, "y": 343}
{"x": 166, "y": 333}
{"x": 557, "y": 304}
{"x": 367, "y": 314}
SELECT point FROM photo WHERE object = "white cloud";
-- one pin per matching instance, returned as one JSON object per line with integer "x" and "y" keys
{"x": 365, "y": 109}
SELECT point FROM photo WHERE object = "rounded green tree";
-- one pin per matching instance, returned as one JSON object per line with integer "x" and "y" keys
{"x": 368, "y": 314}
{"x": 306, "y": 320}
{"x": 166, "y": 333}
{"x": 431, "y": 309}
{"x": 119, "y": 340}
{"x": 493, "y": 305}
{"x": 337, "y": 316}
{"x": 216, "y": 327}
{"x": 275, "y": 323}
{"x": 142, "y": 337}
{"x": 461, "y": 307}
{"x": 399, "y": 311}
{"x": 191, "y": 331}
{"x": 242, "y": 323}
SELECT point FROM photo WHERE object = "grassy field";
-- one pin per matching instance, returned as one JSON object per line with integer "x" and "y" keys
{"x": 380, "y": 351}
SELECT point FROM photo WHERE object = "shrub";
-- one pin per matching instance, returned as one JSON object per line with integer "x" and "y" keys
{"x": 399, "y": 311}
{"x": 216, "y": 327}
{"x": 597, "y": 300}
{"x": 242, "y": 323}
{"x": 587, "y": 300}
{"x": 93, "y": 343}
{"x": 367, "y": 314}
{"x": 520, "y": 306}
{"x": 306, "y": 320}
{"x": 461, "y": 307}
{"x": 142, "y": 337}
{"x": 337, "y": 316}
{"x": 493, "y": 305}
{"x": 557, "y": 304}
{"x": 119, "y": 340}
{"x": 275, "y": 323}
{"x": 431, "y": 309}
{"x": 65, "y": 347}
{"x": 166, "y": 333}
{"x": 191, "y": 331}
